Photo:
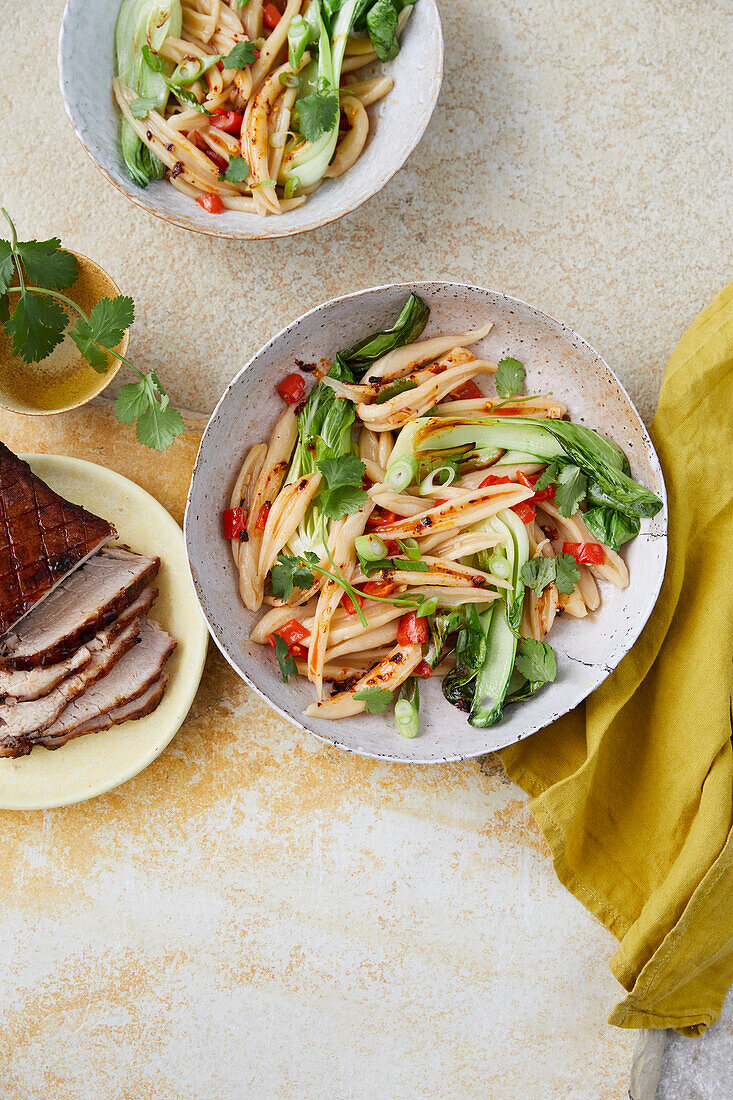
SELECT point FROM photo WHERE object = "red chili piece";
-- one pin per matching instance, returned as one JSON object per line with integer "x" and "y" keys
{"x": 348, "y": 603}
{"x": 412, "y": 630}
{"x": 235, "y": 521}
{"x": 211, "y": 203}
{"x": 228, "y": 121}
{"x": 291, "y": 389}
{"x": 262, "y": 517}
{"x": 585, "y": 553}
{"x": 271, "y": 16}
{"x": 381, "y": 518}
{"x": 423, "y": 669}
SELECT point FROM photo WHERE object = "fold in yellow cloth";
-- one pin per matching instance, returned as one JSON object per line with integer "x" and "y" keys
{"x": 634, "y": 791}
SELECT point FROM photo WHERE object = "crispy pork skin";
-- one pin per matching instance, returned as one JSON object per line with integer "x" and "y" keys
{"x": 83, "y": 604}
{"x": 43, "y": 538}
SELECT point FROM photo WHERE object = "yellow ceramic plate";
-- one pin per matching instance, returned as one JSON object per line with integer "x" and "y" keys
{"x": 96, "y": 763}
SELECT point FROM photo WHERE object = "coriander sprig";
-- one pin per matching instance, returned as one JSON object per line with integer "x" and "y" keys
{"x": 39, "y": 322}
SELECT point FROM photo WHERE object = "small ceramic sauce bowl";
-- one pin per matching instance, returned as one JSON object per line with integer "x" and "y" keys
{"x": 64, "y": 380}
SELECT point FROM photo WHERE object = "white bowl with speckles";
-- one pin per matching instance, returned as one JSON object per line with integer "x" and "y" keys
{"x": 557, "y": 360}
{"x": 397, "y": 122}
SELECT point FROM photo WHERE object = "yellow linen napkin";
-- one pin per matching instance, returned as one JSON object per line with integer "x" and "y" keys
{"x": 634, "y": 791}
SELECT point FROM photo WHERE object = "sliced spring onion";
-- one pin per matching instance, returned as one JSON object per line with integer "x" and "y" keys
{"x": 444, "y": 474}
{"x": 370, "y": 547}
{"x": 402, "y": 473}
{"x": 407, "y": 708}
{"x": 427, "y": 607}
{"x": 499, "y": 566}
{"x": 291, "y": 187}
{"x": 193, "y": 68}
{"x": 289, "y": 80}
{"x": 410, "y": 548}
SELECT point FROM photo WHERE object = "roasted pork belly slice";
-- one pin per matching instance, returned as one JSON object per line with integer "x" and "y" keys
{"x": 129, "y": 680}
{"x": 83, "y": 604}
{"x": 36, "y": 682}
{"x": 19, "y": 719}
{"x": 43, "y": 538}
{"x": 125, "y": 712}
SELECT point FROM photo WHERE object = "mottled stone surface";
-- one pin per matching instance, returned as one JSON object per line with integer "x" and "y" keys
{"x": 257, "y": 915}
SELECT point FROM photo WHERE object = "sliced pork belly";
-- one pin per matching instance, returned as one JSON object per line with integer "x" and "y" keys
{"x": 39, "y": 681}
{"x": 125, "y": 712}
{"x": 130, "y": 678}
{"x": 84, "y": 603}
{"x": 19, "y": 719}
{"x": 43, "y": 538}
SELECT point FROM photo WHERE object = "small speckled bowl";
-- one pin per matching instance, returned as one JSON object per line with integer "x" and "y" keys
{"x": 397, "y": 122}
{"x": 557, "y": 360}
{"x": 64, "y": 379}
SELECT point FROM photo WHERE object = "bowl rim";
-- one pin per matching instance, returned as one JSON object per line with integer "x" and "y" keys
{"x": 604, "y": 672}
{"x": 111, "y": 372}
{"x": 246, "y": 234}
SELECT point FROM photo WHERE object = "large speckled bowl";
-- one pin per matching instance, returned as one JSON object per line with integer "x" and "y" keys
{"x": 556, "y": 359}
{"x": 397, "y": 122}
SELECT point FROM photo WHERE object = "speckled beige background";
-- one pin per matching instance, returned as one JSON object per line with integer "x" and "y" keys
{"x": 258, "y": 916}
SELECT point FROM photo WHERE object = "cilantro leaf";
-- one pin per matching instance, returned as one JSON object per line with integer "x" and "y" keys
{"x": 132, "y": 401}
{"x": 286, "y": 662}
{"x": 567, "y": 573}
{"x": 7, "y": 267}
{"x": 46, "y": 263}
{"x": 289, "y": 573}
{"x": 243, "y": 53}
{"x": 509, "y": 378}
{"x": 37, "y": 326}
{"x": 536, "y": 661}
{"x": 159, "y": 425}
{"x": 237, "y": 170}
{"x": 395, "y": 389}
{"x": 345, "y": 470}
{"x": 109, "y": 319}
{"x": 344, "y": 501}
{"x": 318, "y": 114}
{"x": 538, "y": 573}
{"x": 547, "y": 477}
{"x": 571, "y": 488}
{"x": 376, "y": 700}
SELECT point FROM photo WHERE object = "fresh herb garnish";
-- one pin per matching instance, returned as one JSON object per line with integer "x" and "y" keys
{"x": 287, "y": 663}
{"x": 237, "y": 170}
{"x": 539, "y": 572}
{"x": 318, "y": 113}
{"x": 243, "y": 53}
{"x": 345, "y": 493}
{"x": 289, "y": 573}
{"x": 509, "y": 378}
{"x": 536, "y": 661}
{"x": 570, "y": 486}
{"x": 375, "y": 700}
{"x": 39, "y": 322}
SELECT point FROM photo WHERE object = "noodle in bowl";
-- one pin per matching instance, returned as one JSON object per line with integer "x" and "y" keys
{"x": 385, "y": 108}
{"x": 620, "y": 590}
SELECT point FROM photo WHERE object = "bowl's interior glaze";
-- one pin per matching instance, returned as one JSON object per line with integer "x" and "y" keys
{"x": 557, "y": 360}
{"x": 397, "y": 122}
